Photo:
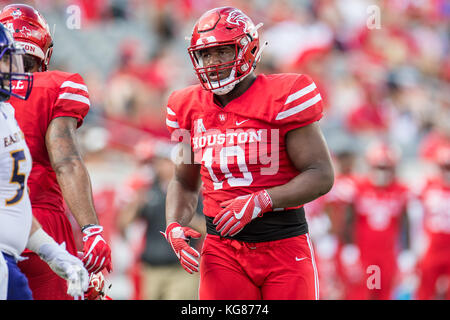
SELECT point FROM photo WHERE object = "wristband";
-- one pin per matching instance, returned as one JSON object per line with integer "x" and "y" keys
{"x": 88, "y": 226}
{"x": 39, "y": 238}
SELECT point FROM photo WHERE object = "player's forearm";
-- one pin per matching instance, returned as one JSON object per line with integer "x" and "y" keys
{"x": 73, "y": 179}
{"x": 181, "y": 203}
{"x": 306, "y": 187}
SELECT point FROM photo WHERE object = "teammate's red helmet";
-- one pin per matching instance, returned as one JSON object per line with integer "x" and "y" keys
{"x": 30, "y": 30}
{"x": 380, "y": 154}
{"x": 219, "y": 27}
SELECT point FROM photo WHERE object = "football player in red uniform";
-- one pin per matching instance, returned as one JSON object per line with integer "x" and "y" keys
{"x": 379, "y": 215}
{"x": 337, "y": 203}
{"x": 49, "y": 118}
{"x": 256, "y": 143}
{"x": 435, "y": 198}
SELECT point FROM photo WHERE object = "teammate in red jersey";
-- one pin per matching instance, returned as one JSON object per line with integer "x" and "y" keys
{"x": 342, "y": 193}
{"x": 379, "y": 212}
{"x": 255, "y": 142}
{"x": 436, "y": 204}
{"x": 49, "y": 118}
{"x": 336, "y": 206}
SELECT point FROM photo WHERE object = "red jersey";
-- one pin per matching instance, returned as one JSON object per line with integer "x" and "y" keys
{"x": 242, "y": 146}
{"x": 435, "y": 198}
{"x": 338, "y": 199}
{"x": 55, "y": 94}
{"x": 343, "y": 190}
{"x": 378, "y": 212}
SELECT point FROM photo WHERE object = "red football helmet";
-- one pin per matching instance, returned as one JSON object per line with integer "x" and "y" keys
{"x": 380, "y": 154}
{"x": 220, "y": 27}
{"x": 30, "y": 30}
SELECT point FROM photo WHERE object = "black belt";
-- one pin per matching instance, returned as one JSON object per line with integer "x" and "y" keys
{"x": 273, "y": 225}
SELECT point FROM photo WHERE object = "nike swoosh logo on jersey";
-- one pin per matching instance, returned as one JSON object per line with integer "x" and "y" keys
{"x": 241, "y": 213}
{"x": 299, "y": 259}
{"x": 239, "y": 123}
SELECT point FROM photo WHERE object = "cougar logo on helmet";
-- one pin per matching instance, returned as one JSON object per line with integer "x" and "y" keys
{"x": 237, "y": 17}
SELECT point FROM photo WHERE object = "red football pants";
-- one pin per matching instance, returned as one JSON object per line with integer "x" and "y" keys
{"x": 281, "y": 269}
{"x": 434, "y": 264}
{"x": 44, "y": 283}
{"x": 386, "y": 264}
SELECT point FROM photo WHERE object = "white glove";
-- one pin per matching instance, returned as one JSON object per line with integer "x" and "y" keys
{"x": 61, "y": 262}
{"x": 67, "y": 267}
{"x": 77, "y": 282}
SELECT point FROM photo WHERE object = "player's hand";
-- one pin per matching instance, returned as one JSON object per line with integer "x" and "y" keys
{"x": 77, "y": 282}
{"x": 67, "y": 267}
{"x": 96, "y": 252}
{"x": 238, "y": 212}
{"x": 178, "y": 237}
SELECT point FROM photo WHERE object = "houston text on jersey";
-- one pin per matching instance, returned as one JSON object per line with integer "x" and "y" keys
{"x": 214, "y": 146}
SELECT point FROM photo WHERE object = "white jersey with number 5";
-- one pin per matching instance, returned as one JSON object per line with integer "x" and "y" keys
{"x": 15, "y": 167}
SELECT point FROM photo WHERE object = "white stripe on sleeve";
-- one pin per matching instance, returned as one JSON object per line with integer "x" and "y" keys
{"x": 171, "y": 112}
{"x": 300, "y": 93}
{"x": 299, "y": 108}
{"x": 74, "y": 85}
{"x": 74, "y": 97}
{"x": 172, "y": 124}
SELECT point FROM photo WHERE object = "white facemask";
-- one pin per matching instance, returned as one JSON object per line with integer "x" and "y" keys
{"x": 227, "y": 88}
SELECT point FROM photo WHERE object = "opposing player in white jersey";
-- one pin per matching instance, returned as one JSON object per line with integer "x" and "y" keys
{"x": 18, "y": 228}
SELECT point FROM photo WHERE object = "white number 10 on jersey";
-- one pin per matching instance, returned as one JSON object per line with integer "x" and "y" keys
{"x": 225, "y": 152}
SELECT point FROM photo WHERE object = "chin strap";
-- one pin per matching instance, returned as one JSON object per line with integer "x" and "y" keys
{"x": 228, "y": 87}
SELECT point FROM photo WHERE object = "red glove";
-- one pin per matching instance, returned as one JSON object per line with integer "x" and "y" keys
{"x": 96, "y": 252}
{"x": 238, "y": 212}
{"x": 178, "y": 237}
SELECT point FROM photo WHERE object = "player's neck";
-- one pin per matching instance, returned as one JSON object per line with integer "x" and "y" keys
{"x": 238, "y": 90}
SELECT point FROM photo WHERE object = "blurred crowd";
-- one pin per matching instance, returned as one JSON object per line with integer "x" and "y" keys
{"x": 382, "y": 67}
